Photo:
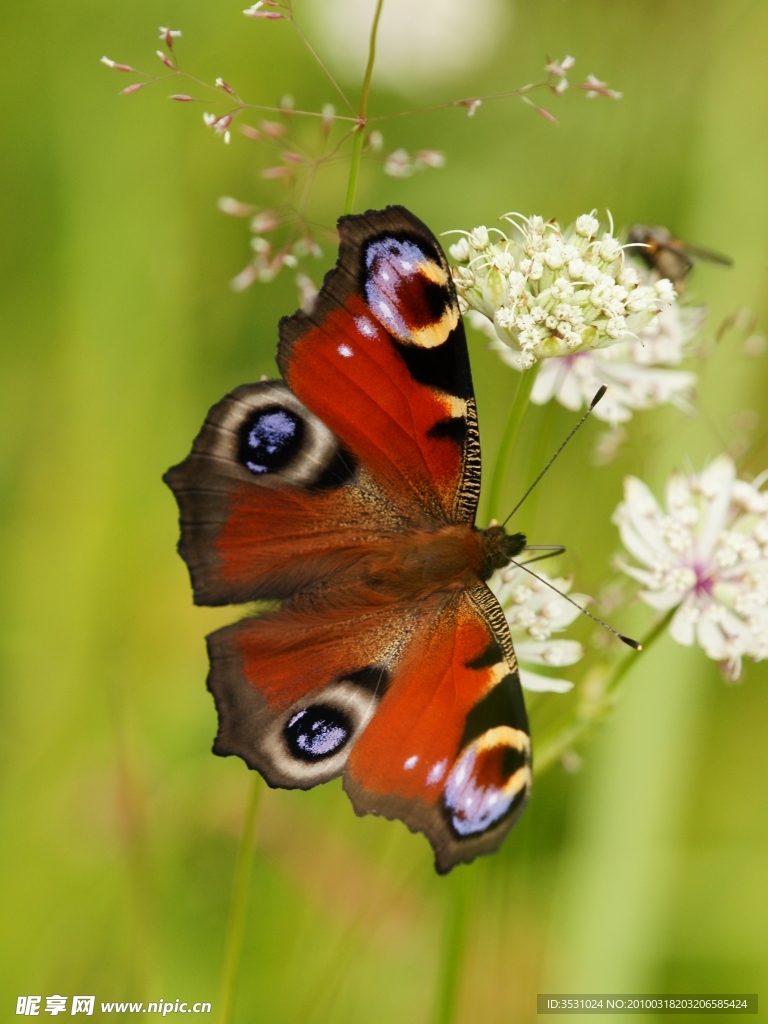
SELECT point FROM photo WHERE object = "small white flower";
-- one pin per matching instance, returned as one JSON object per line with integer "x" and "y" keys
{"x": 553, "y": 257}
{"x": 610, "y": 248}
{"x": 595, "y": 87}
{"x": 665, "y": 290}
{"x": 706, "y": 557}
{"x": 534, "y": 612}
{"x": 429, "y": 158}
{"x": 561, "y": 68}
{"x": 479, "y": 238}
{"x": 459, "y": 251}
{"x": 398, "y": 164}
{"x": 587, "y": 225}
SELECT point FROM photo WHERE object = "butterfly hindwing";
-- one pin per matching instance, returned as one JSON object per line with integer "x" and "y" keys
{"x": 295, "y": 688}
{"x": 448, "y": 751}
{"x": 419, "y": 708}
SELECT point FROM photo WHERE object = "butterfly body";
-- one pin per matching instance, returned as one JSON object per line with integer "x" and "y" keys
{"x": 347, "y": 491}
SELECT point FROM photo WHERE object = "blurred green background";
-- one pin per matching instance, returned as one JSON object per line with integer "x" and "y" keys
{"x": 647, "y": 870}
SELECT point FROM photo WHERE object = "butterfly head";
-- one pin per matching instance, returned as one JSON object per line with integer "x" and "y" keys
{"x": 499, "y": 548}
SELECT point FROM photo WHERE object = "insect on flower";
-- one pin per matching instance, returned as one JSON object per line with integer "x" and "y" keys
{"x": 670, "y": 257}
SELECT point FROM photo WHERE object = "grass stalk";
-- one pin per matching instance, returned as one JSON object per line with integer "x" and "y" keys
{"x": 459, "y": 886}
{"x": 357, "y": 145}
{"x": 508, "y": 438}
{"x": 238, "y": 906}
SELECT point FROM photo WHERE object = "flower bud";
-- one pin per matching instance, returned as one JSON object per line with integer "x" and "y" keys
{"x": 398, "y": 164}
{"x": 233, "y": 207}
{"x": 587, "y": 225}
{"x": 117, "y": 67}
{"x": 429, "y": 158}
{"x": 459, "y": 251}
{"x": 326, "y": 123}
{"x": 495, "y": 290}
{"x": 576, "y": 269}
{"x": 553, "y": 257}
{"x": 267, "y": 220}
{"x": 479, "y": 239}
{"x": 273, "y": 128}
{"x": 610, "y": 248}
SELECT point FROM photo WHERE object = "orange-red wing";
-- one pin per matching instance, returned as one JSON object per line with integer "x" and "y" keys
{"x": 448, "y": 750}
{"x": 270, "y": 503}
{"x": 295, "y": 688}
{"x": 382, "y": 360}
{"x": 420, "y": 707}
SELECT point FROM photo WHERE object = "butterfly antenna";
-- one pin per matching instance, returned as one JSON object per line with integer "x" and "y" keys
{"x": 628, "y": 640}
{"x": 624, "y": 639}
{"x": 552, "y": 550}
{"x": 583, "y": 419}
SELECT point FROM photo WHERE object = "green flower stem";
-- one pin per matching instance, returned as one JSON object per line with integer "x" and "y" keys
{"x": 594, "y": 711}
{"x": 459, "y": 886}
{"x": 508, "y": 438}
{"x": 238, "y": 906}
{"x": 357, "y": 146}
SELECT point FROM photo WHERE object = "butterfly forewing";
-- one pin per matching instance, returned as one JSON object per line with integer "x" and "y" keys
{"x": 382, "y": 360}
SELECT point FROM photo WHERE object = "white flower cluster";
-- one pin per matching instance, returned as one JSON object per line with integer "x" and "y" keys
{"x": 638, "y": 372}
{"x": 706, "y": 556}
{"x": 550, "y": 292}
{"x": 534, "y": 612}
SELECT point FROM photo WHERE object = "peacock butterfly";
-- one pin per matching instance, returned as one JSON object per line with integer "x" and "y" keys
{"x": 347, "y": 491}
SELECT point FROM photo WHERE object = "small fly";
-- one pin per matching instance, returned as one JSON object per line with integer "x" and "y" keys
{"x": 670, "y": 257}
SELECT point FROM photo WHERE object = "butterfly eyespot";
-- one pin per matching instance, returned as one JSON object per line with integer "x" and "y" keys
{"x": 317, "y": 732}
{"x": 270, "y": 439}
{"x": 408, "y": 291}
{"x": 489, "y": 781}
{"x": 275, "y": 440}
{"x": 310, "y": 741}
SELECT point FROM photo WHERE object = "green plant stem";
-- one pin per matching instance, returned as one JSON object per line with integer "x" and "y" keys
{"x": 357, "y": 145}
{"x": 238, "y": 906}
{"x": 508, "y": 438}
{"x": 553, "y": 750}
{"x": 459, "y": 886}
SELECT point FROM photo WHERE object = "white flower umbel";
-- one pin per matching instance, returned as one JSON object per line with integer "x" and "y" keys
{"x": 534, "y": 612}
{"x": 638, "y": 372}
{"x": 706, "y": 556}
{"x": 550, "y": 292}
